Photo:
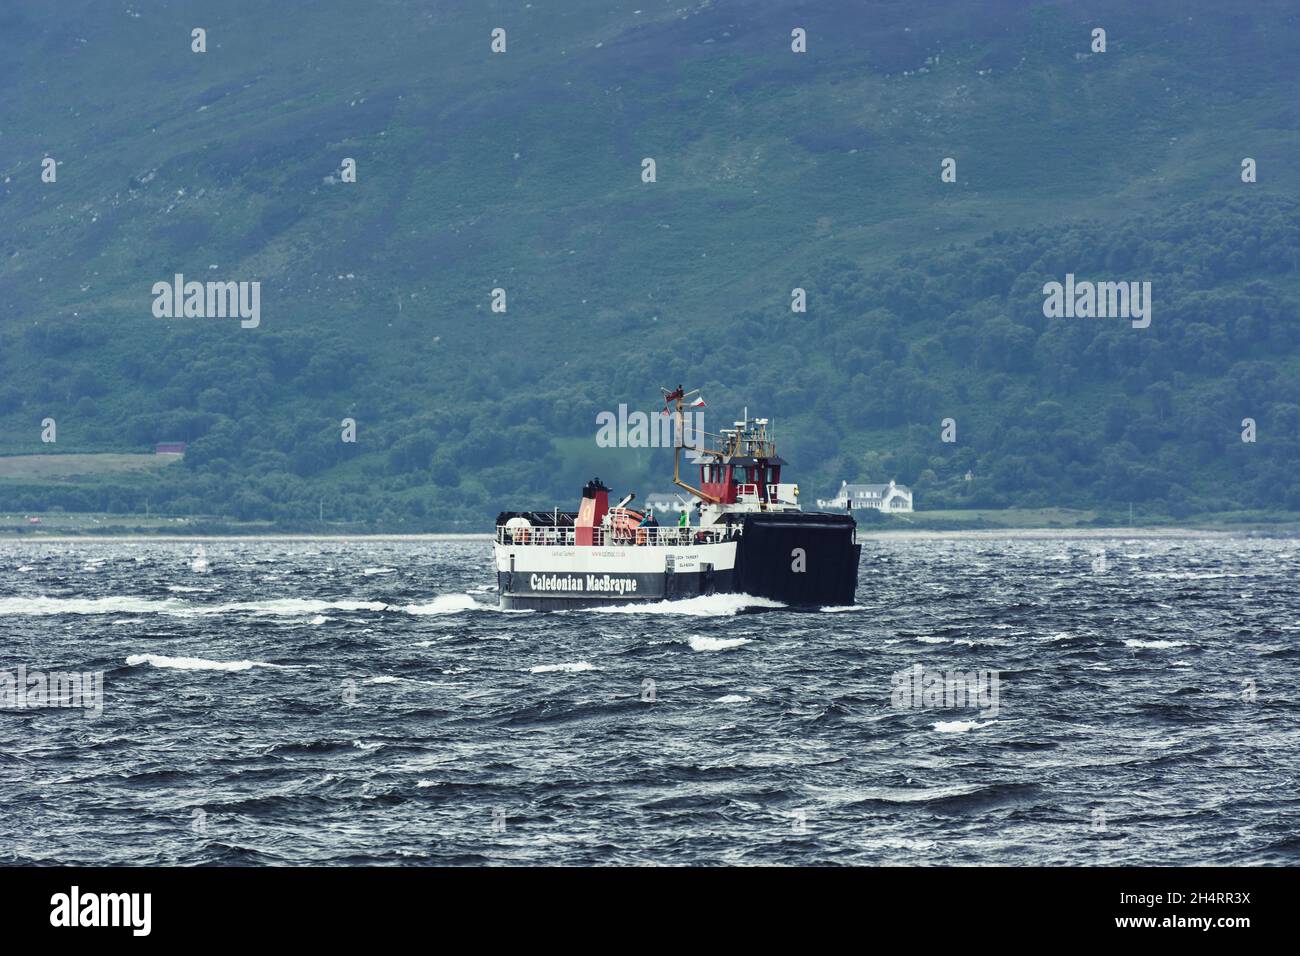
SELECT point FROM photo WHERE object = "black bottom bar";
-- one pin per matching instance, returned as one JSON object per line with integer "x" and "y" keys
{"x": 965, "y": 907}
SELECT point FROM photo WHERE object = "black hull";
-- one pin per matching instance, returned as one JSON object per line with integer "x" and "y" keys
{"x": 650, "y": 588}
{"x": 799, "y": 559}
{"x": 773, "y": 548}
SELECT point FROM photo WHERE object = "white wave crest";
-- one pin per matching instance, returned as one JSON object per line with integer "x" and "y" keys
{"x": 565, "y": 668}
{"x": 960, "y": 726}
{"x": 290, "y": 607}
{"x": 43, "y": 606}
{"x": 706, "y": 605}
{"x": 700, "y": 643}
{"x": 445, "y": 604}
{"x": 195, "y": 663}
{"x": 734, "y": 699}
{"x": 389, "y": 679}
{"x": 1154, "y": 645}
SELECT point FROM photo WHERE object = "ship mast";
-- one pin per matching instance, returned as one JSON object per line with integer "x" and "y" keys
{"x": 677, "y": 400}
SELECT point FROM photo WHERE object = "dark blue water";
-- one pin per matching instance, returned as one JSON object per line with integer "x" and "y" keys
{"x": 364, "y": 702}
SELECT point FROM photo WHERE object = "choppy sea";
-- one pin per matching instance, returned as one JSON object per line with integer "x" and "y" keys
{"x": 1128, "y": 701}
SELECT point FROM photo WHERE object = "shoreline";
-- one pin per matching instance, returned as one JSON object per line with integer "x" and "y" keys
{"x": 863, "y": 533}
{"x": 39, "y": 538}
{"x": 1044, "y": 523}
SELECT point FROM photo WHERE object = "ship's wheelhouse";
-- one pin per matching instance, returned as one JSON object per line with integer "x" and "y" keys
{"x": 742, "y": 477}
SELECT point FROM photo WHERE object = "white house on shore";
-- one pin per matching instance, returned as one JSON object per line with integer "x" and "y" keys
{"x": 892, "y": 498}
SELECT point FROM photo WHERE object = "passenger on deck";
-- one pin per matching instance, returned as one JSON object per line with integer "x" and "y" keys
{"x": 643, "y": 529}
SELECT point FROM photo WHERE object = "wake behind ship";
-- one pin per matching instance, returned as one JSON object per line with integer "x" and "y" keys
{"x": 749, "y": 537}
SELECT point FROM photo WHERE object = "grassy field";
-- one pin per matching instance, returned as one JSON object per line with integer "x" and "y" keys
{"x": 61, "y": 524}
{"x": 63, "y": 467}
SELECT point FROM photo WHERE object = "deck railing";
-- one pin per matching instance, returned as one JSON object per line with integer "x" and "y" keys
{"x": 650, "y": 536}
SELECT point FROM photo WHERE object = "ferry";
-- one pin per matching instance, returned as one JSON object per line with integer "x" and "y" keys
{"x": 749, "y": 536}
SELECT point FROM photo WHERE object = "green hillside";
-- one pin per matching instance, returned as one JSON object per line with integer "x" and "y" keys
{"x": 522, "y": 171}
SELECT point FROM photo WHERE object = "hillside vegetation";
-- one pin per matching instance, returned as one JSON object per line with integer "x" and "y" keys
{"x": 775, "y": 170}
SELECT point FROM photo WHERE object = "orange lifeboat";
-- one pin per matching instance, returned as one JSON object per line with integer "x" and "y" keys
{"x": 626, "y": 524}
